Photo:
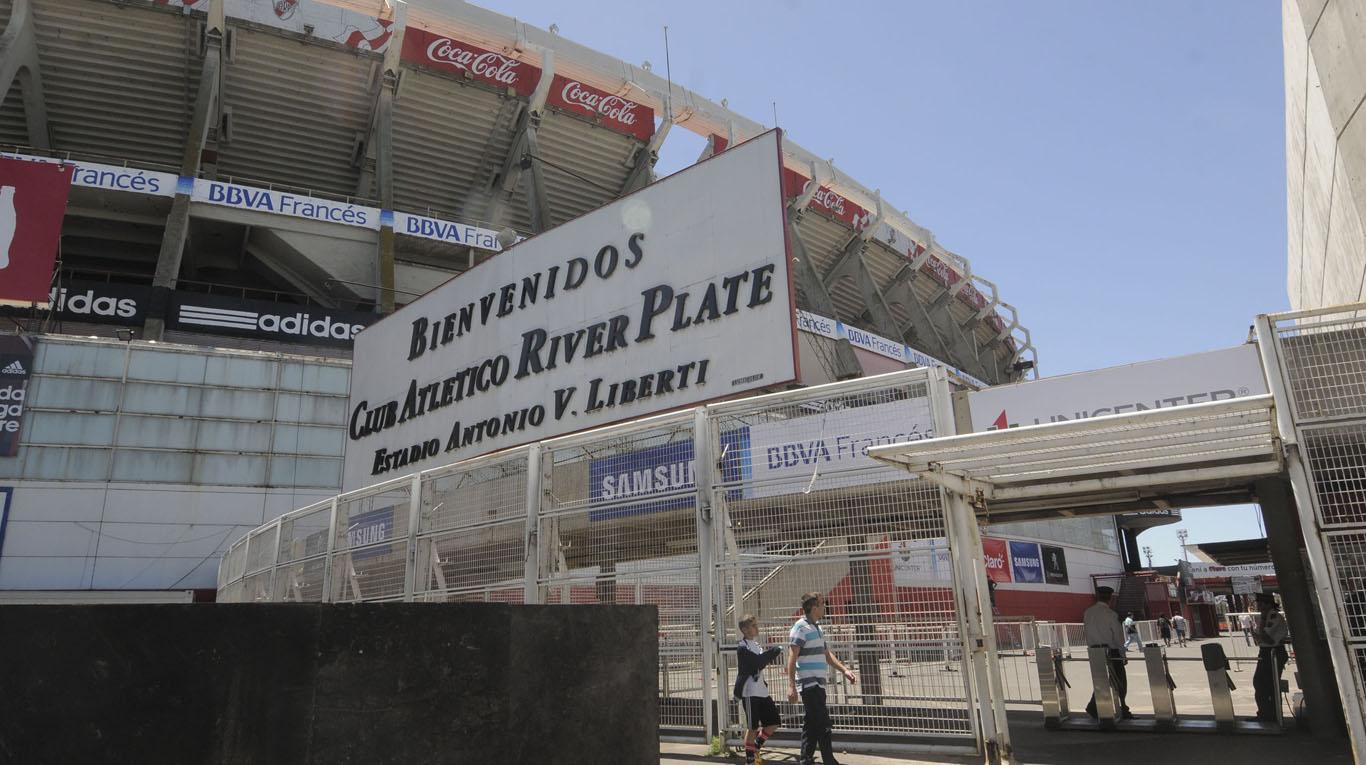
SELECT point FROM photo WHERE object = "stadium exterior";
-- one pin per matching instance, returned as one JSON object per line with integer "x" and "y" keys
{"x": 254, "y": 183}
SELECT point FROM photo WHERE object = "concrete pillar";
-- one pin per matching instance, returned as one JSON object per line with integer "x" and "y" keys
{"x": 19, "y": 62}
{"x": 864, "y": 614}
{"x": 384, "y": 167}
{"x": 1312, "y": 659}
{"x": 206, "y": 110}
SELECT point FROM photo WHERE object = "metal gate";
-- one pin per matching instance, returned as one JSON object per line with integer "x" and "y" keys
{"x": 797, "y": 506}
{"x": 1316, "y": 367}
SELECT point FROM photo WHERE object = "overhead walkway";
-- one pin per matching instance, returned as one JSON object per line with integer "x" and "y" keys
{"x": 1188, "y": 456}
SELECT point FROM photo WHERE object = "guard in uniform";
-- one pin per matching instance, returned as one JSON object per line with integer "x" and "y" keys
{"x": 1271, "y": 658}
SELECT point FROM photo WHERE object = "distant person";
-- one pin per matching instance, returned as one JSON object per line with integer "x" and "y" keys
{"x": 1245, "y": 621}
{"x": 1179, "y": 623}
{"x": 1164, "y": 630}
{"x": 1100, "y": 625}
{"x": 1131, "y": 632}
{"x": 808, "y": 665}
{"x": 752, "y": 691}
{"x": 1271, "y": 658}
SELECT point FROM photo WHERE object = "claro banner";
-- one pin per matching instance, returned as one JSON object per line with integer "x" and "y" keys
{"x": 675, "y": 295}
{"x": 1201, "y": 377}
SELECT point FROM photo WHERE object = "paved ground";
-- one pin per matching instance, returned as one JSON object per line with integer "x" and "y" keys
{"x": 1036, "y": 746}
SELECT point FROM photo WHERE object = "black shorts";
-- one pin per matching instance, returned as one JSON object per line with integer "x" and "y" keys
{"x": 761, "y": 712}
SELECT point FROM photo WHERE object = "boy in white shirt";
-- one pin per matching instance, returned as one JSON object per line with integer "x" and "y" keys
{"x": 750, "y": 688}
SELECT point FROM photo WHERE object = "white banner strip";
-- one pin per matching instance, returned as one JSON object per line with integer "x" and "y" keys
{"x": 833, "y": 328}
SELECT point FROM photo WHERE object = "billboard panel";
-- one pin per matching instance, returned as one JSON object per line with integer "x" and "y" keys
{"x": 1054, "y": 564}
{"x": 16, "y": 364}
{"x": 1025, "y": 562}
{"x": 994, "y": 553}
{"x": 32, "y": 205}
{"x": 675, "y": 295}
{"x": 1197, "y": 378}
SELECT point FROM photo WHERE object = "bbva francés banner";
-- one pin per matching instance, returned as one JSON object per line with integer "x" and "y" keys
{"x": 677, "y": 294}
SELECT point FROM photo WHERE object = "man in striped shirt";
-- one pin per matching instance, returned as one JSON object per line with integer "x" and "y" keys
{"x": 807, "y": 668}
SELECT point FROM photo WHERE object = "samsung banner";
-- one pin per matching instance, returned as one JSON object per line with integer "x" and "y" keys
{"x": 1025, "y": 562}
{"x": 675, "y": 295}
{"x": 1212, "y": 376}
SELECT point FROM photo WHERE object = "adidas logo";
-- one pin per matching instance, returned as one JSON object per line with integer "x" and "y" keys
{"x": 14, "y": 368}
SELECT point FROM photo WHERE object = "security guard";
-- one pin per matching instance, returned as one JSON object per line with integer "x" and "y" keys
{"x": 1271, "y": 658}
{"x": 1101, "y": 628}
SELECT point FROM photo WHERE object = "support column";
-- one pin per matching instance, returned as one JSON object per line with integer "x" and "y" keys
{"x": 643, "y": 163}
{"x": 522, "y": 156}
{"x": 864, "y": 616}
{"x": 206, "y": 111}
{"x": 19, "y": 63}
{"x": 384, "y": 163}
{"x": 1312, "y": 659}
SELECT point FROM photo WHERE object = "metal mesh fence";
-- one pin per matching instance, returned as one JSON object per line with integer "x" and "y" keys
{"x": 1337, "y": 461}
{"x": 803, "y": 508}
{"x": 1348, "y": 551}
{"x": 1322, "y": 359}
{"x": 1326, "y": 365}
{"x": 795, "y": 505}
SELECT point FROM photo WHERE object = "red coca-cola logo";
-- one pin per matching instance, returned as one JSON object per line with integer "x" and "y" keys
{"x": 449, "y": 55}
{"x": 483, "y": 64}
{"x": 829, "y": 200}
{"x": 612, "y": 107}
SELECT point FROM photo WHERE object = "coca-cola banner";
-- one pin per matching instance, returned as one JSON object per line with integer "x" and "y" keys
{"x": 16, "y": 363}
{"x": 994, "y": 552}
{"x": 32, "y": 205}
{"x": 446, "y": 54}
{"x": 608, "y": 110}
{"x": 825, "y": 201}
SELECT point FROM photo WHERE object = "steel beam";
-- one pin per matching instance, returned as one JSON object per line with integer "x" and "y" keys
{"x": 818, "y": 298}
{"x": 19, "y": 63}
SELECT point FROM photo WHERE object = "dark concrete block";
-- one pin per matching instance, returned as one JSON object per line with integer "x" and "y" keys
{"x": 373, "y": 683}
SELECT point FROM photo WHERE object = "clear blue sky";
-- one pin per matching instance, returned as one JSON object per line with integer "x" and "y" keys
{"x": 1118, "y": 169}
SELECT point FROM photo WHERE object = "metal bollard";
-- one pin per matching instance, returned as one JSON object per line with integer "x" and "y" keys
{"x": 1220, "y": 685}
{"x": 1106, "y": 704}
{"x": 1160, "y": 684}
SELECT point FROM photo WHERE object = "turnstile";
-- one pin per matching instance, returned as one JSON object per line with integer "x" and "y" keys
{"x": 1053, "y": 688}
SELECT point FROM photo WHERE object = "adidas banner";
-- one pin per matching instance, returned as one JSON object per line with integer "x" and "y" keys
{"x": 92, "y": 302}
{"x": 16, "y": 361}
{"x": 281, "y": 322}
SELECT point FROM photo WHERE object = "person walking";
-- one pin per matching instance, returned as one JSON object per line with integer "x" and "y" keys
{"x": 752, "y": 691}
{"x": 1131, "y": 632}
{"x": 1164, "y": 630}
{"x": 1271, "y": 658}
{"x": 808, "y": 665}
{"x": 1100, "y": 625}
{"x": 1245, "y": 621}
{"x": 1179, "y": 622}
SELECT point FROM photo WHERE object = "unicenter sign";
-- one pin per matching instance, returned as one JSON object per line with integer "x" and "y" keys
{"x": 675, "y": 295}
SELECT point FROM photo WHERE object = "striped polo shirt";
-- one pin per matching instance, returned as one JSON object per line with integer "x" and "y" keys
{"x": 806, "y": 638}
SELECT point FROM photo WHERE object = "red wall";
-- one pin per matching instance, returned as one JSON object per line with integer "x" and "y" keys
{"x": 1050, "y": 606}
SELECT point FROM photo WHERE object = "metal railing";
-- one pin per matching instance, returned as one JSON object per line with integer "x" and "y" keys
{"x": 702, "y": 538}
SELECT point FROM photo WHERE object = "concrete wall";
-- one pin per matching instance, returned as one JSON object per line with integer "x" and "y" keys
{"x": 1325, "y": 84}
{"x": 139, "y": 463}
{"x": 373, "y": 683}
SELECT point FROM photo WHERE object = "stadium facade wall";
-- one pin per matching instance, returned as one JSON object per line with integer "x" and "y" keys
{"x": 1325, "y": 151}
